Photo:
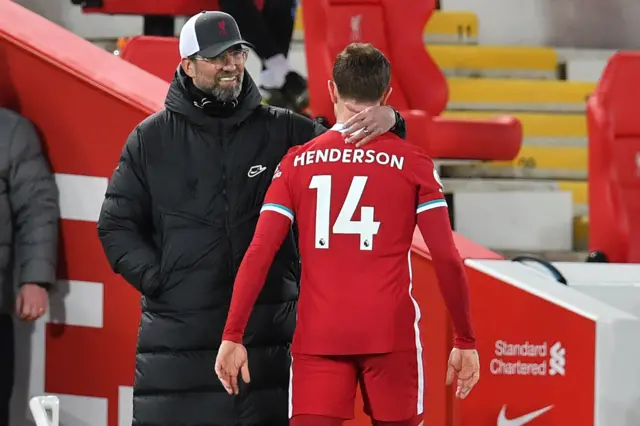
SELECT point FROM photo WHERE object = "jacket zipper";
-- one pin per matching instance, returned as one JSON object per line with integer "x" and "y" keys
{"x": 236, "y": 402}
{"x": 232, "y": 266}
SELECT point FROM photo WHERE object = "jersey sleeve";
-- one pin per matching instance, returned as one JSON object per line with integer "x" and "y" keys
{"x": 272, "y": 228}
{"x": 430, "y": 189}
{"x": 278, "y": 198}
{"x": 435, "y": 227}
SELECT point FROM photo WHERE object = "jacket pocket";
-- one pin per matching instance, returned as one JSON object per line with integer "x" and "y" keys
{"x": 151, "y": 281}
{"x": 183, "y": 237}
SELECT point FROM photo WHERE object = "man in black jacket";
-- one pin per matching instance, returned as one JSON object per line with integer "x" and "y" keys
{"x": 178, "y": 216}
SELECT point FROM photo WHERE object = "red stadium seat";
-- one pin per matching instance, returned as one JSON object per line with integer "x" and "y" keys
{"x": 614, "y": 161}
{"x": 156, "y": 7}
{"x": 159, "y": 56}
{"x": 153, "y": 7}
{"x": 420, "y": 89}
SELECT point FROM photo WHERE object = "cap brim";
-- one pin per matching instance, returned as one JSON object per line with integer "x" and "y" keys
{"x": 218, "y": 48}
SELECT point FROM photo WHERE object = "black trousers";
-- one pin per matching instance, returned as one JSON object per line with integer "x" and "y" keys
{"x": 270, "y": 31}
{"x": 159, "y": 25}
{"x": 6, "y": 366}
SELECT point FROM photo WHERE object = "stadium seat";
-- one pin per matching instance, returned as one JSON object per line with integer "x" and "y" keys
{"x": 420, "y": 89}
{"x": 157, "y": 55}
{"x": 614, "y": 161}
{"x": 153, "y": 7}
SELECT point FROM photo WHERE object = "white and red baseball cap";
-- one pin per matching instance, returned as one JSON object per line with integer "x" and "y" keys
{"x": 209, "y": 33}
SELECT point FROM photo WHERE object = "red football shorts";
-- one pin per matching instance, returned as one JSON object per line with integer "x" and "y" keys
{"x": 392, "y": 385}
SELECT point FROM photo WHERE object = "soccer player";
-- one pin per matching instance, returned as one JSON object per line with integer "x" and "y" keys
{"x": 356, "y": 210}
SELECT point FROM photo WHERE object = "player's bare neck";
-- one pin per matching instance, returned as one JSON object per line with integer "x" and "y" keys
{"x": 343, "y": 113}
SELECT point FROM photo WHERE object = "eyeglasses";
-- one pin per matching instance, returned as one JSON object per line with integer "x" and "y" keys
{"x": 238, "y": 57}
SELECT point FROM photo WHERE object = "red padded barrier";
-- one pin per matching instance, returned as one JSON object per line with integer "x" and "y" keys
{"x": 79, "y": 96}
{"x": 614, "y": 160}
{"x": 85, "y": 102}
{"x": 420, "y": 91}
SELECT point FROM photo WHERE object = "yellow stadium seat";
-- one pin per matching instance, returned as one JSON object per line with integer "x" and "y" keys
{"x": 537, "y": 125}
{"x": 564, "y": 158}
{"x": 448, "y": 26}
{"x": 518, "y": 95}
{"x": 512, "y": 61}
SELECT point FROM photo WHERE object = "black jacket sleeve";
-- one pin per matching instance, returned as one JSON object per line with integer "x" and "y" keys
{"x": 400, "y": 129}
{"x": 34, "y": 199}
{"x": 124, "y": 225}
{"x": 303, "y": 129}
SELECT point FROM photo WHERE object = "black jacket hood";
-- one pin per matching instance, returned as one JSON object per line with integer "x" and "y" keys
{"x": 185, "y": 99}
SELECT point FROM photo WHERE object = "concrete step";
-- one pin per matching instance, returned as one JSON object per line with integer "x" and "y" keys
{"x": 571, "y": 159}
{"x": 578, "y": 192}
{"x": 567, "y": 54}
{"x": 514, "y": 220}
{"x": 584, "y": 64}
{"x": 491, "y": 94}
{"x": 444, "y": 26}
{"x": 577, "y": 189}
{"x": 496, "y": 61}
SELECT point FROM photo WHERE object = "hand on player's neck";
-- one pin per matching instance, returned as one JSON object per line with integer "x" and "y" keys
{"x": 343, "y": 113}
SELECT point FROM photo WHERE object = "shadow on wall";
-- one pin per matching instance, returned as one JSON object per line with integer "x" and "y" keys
{"x": 610, "y": 24}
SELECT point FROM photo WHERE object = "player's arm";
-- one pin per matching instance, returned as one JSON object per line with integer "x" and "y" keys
{"x": 435, "y": 226}
{"x": 275, "y": 221}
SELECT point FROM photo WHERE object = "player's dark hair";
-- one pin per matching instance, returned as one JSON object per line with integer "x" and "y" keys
{"x": 361, "y": 73}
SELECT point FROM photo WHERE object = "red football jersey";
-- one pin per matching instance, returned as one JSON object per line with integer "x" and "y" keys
{"x": 356, "y": 211}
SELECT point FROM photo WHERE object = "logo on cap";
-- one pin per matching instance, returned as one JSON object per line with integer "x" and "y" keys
{"x": 222, "y": 25}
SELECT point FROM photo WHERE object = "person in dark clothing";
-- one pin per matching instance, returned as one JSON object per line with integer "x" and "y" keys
{"x": 29, "y": 216}
{"x": 178, "y": 215}
{"x": 270, "y": 30}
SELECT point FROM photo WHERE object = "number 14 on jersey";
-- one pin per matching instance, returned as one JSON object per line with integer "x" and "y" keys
{"x": 366, "y": 227}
